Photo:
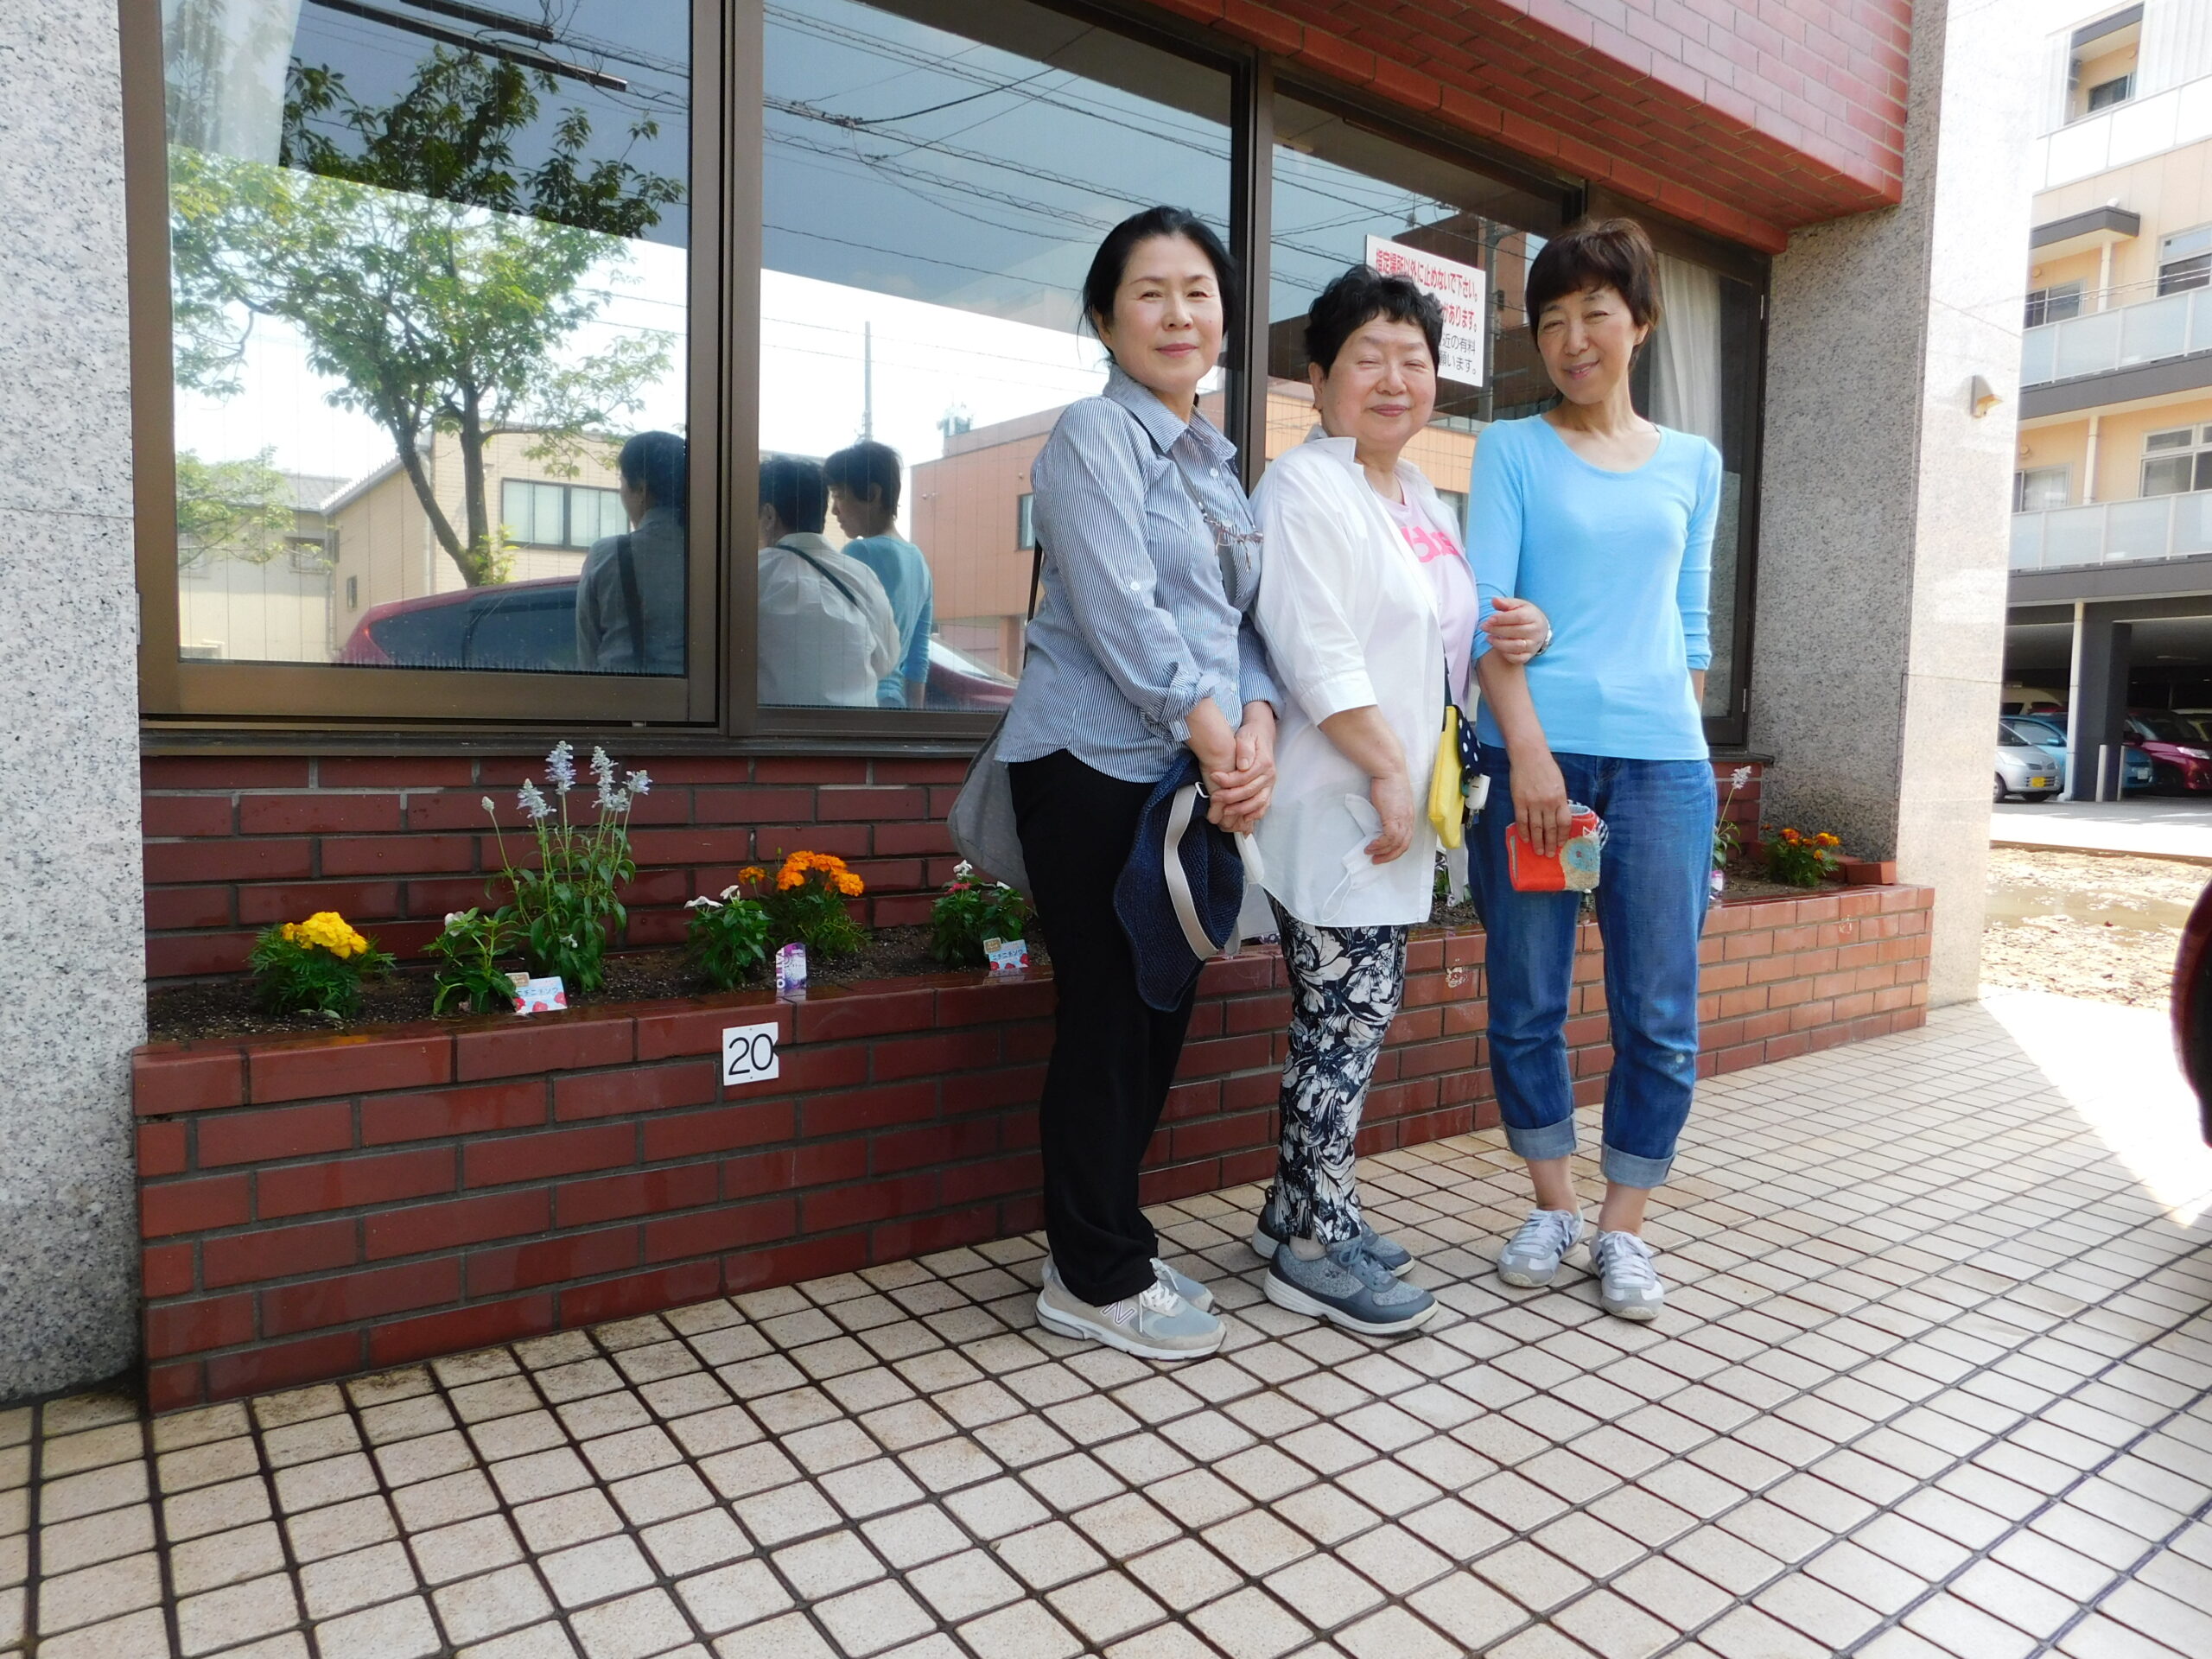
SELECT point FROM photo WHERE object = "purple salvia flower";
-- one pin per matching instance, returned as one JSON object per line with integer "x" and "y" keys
{"x": 534, "y": 803}
{"x": 561, "y": 766}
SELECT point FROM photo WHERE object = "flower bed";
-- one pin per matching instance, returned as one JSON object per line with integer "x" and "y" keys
{"x": 316, "y": 1206}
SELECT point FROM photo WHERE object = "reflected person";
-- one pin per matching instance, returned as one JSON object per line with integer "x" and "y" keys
{"x": 864, "y": 497}
{"x": 630, "y": 598}
{"x": 827, "y": 634}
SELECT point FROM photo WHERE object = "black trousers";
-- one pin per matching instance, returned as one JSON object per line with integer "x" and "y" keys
{"x": 1113, "y": 1057}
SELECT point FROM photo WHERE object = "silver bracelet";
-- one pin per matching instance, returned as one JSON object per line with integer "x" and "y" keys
{"x": 1546, "y": 647}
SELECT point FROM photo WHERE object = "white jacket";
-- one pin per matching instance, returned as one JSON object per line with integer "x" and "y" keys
{"x": 818, "y": 644}
{"x": 1349, "y": 618}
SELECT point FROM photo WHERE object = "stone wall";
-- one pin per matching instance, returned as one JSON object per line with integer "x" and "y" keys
{"x": 71, "y": 1004}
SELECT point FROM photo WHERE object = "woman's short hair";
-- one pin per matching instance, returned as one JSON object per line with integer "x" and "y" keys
{"x": 658, "y": 462}
{"x": 1612, "y": 253}
{"x": 1358, "y": 298}
{"x": 865, "y": 466}
{"x": 1109, "y": 264}
{"x": 794, "y": 487}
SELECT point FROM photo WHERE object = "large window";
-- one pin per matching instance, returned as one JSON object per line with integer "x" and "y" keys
{"x": 430, "y": 297}
{"x": 2185, "y": 260}
{"x": 932, "y": 201}
{"x": 441, "y": 441}
{"x": 2176, "y": 462}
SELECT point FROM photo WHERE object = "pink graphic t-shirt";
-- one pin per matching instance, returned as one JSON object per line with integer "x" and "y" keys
{"x": 1441, "y": 556}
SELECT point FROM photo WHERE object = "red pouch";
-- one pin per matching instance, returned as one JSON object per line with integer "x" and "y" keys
{"x": 1573, "y": 868}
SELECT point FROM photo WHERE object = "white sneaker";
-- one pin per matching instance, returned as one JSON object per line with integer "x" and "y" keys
{"x": 1531, "y": 1256}
{"x": 1182, "y": 1283}
{"x": 1628, "y": 1285}
{"x": 1154, "y": 1323}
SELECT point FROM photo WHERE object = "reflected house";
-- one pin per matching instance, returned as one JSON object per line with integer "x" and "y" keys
{"x": 383, "y": 548}
{"x": 244, "y": 608}
{"x": 972, "y": 512}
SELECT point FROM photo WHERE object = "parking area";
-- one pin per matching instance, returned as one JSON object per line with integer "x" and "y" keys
{"x": 2154, "y": 826}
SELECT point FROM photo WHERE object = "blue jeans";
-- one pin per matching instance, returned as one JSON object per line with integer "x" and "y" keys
{"x": 1653, "y": 889}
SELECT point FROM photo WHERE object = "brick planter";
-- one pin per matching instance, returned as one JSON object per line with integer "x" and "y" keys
{"x": 316, "y": 1206}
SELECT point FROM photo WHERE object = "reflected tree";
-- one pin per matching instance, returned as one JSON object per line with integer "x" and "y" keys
{"x": 439, "y": 281}
{"x": 230, "y": 509}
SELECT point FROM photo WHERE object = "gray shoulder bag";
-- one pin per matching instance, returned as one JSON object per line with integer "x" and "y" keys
{"x": 981, "y": 822}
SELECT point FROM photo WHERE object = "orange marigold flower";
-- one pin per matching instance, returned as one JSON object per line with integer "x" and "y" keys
{"x": 789, "y": 879}
{"x": 752, "y": 873}
{"x": 1827, "y": 840}
{"x": 849, "y": 885}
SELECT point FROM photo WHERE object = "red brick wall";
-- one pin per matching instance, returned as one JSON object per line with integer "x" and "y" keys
{"x": 236, "y": 842}
{"x": 312, "y": 1207}
{"x": 1749, "y": 117}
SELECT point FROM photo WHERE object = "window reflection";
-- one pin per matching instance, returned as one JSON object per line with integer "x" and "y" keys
{"x": 429, "y": 281}
{"x": 931, "y": 204}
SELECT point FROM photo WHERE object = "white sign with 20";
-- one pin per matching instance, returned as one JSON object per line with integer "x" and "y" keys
{"x": 749, "y": 1054}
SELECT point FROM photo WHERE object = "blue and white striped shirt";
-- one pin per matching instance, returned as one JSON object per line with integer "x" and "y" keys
{"x": 1135, "y": 625}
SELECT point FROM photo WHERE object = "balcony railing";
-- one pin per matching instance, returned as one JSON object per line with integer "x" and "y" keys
{"x": 2119, "y": 339}
{"x": 2106, "y": 532}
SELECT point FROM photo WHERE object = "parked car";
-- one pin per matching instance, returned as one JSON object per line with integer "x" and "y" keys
{"x": 2049, "y": 730}
{"x": 2181, "y": 762}
{"x": 531, "y": 625}
{"x": 2026, "y": 767}
{"x": 2191, "y": 1008}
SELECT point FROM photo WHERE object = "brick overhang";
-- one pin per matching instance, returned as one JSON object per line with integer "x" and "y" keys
{"x": 1748, "y": 120}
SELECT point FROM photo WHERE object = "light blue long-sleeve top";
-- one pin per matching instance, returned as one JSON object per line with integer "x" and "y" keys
{"x": 1141, "y": 615}
{"x": 1621, "y": 563}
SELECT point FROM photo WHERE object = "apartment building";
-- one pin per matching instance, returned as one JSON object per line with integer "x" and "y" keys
{"x": 2111, "y": 586}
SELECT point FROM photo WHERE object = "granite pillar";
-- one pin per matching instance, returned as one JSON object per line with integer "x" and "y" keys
{"x": 72, "y": 950}
{"x": 1879, "y": 638}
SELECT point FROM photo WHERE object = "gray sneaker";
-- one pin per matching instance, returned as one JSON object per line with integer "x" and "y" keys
{"x": 1347, "y": 1287}
{"x": 1154, "y": 1323}
{"x": 1628, "y": 1287}
{"x": 1184, "y": 1286}
{"x": 1270, "y": 1230}
{"x": 1531, "y": 1256}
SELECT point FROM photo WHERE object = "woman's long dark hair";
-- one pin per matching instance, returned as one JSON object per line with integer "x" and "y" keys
{"x": 660, "y": 463}
{"x": 1109, "y": 264}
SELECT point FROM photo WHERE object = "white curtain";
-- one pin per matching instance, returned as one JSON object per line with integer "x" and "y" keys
{"x": 225, "y": 62}
{"x": 1685, "y": 363}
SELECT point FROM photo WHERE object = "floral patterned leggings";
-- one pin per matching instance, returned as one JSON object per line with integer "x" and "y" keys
{"x": 1345, "y": 984}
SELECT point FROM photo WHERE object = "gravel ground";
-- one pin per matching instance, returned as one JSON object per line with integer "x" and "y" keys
{"x": 2086, "y": 926}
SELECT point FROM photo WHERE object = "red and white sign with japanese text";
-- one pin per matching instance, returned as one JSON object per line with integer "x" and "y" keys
{"x": 1462, "y": 290}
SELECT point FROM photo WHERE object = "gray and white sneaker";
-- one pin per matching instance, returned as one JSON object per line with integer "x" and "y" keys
{"x": 1154, "y": 1323}
{"x": 1628, "y": 1286}
{"x": 1270, "y": 1230}
{"x": 1347, "y": 1287}
{"x": 1531, "y": 1256}
{"x": 1182, "y": 1283}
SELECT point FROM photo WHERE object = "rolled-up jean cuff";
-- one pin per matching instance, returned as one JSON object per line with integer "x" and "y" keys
{"x": 1628, "y": 1169}
{"x": 1545, "y": 1141}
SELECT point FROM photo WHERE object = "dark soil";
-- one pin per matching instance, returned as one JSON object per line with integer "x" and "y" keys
{"x": 226, "y": 1009}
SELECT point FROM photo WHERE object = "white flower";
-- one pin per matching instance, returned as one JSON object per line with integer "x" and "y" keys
{"x": 488, "y": 807}
{"x": 561, "y": 766}
{"x": 639, "y": 784}
{"x": 611, "y": 799}
{"x": 962, "y": 870}
{"x": 602, "y": 764}
{"x": 533, "y": 802}
{"x": 453, "y": 916}
{"x": 703, "y": 902}
{"x": 1739, "y": 777}
{"x": 731, "y": 892}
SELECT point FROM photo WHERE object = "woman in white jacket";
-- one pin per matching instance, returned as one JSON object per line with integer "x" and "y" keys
{"x": 1367, "y": 607}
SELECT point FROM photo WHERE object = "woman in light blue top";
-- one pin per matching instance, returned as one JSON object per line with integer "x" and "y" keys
{"x": 1140, "y": 649}
{"x": 1605, "y": 522}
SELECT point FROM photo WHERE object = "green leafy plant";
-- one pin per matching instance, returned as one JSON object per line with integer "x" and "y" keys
{"x": 1727, "y": 840}
{"x": 315, "y": 967}
{"x": 1801, "y": 861}
{"x": 805, "y": 904}
{"x": 727, "y": 937}
{"x": 469, "y": 949}
{"x": 563, "y": 910}
{"x": 968, "y": 912}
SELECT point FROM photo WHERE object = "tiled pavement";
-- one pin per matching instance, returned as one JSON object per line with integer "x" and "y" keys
{"x": 1937, "y": 1379}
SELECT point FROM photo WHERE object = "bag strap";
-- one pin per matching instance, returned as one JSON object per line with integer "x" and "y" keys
{"x": 626, "y": 568}
{"x": 826, "y": 575}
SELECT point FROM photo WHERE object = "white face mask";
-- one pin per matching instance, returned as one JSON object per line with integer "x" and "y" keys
{"x": 1359, "y": 870}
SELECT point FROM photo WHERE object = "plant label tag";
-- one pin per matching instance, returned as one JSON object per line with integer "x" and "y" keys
{"x": 540, "y": 995}
{"x": 1007, "y": 956}
{"x": 749, "y": 1054}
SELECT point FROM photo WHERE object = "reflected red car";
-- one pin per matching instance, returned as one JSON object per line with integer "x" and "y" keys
{"x": 531, "y": 627}
{"x": 2181, "y": 759}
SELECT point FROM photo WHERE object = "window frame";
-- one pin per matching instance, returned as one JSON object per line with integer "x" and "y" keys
{"x": 715, "y": 702}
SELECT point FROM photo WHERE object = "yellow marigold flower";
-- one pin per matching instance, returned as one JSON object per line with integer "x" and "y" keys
{"x": 1827, "y": 840}
{"x": 752, "y": 873}
{"x": 849, "y": 885}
